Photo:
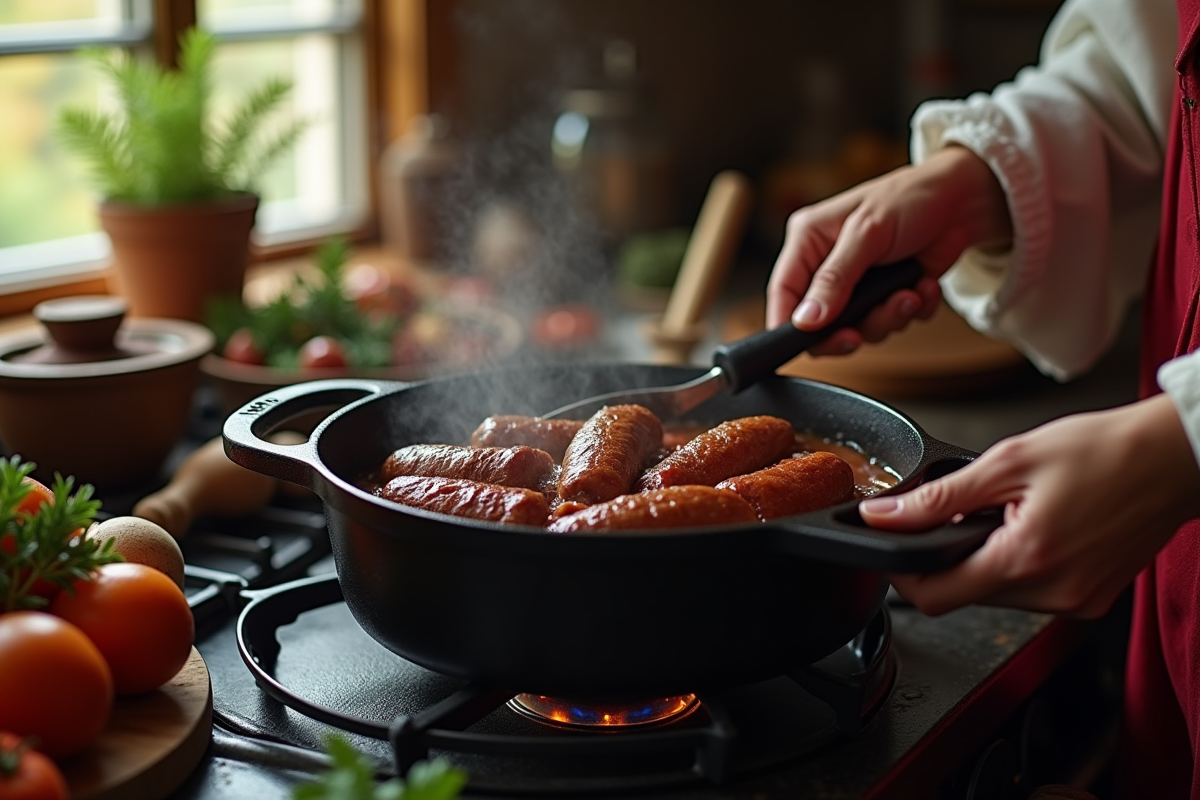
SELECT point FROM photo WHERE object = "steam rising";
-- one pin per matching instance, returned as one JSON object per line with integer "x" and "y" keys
{"x": 509, "y": 174}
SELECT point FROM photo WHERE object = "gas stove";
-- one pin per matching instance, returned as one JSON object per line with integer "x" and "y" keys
{"x": 980, "y": 703}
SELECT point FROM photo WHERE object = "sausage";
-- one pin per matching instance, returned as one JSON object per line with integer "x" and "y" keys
{"x": 520, "y": 466}
{"x": 795, "y": 485}
{"x": 673, "y": 507}
{"x": 551, "y": 435}
{"x": 606, "y": 456}
{"x": 734, "y": 447}
{"x": 510, "y": 505}
{"x": 563, "y": 508}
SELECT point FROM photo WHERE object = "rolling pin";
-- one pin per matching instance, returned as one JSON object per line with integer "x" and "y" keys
{"x": 207, "y": 482}
{"x": 706, "y": 261}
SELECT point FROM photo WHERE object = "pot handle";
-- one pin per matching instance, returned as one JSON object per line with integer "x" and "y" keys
{"x": 245, "y": 430}
{"x": 839, "y": 534}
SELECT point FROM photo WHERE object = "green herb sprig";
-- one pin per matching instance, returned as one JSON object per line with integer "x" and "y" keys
{"x": 353, "y": 778}
{"x": 45, "y": 545}
{"x": 313, "y": 306}
{"x": 160, "y": 145}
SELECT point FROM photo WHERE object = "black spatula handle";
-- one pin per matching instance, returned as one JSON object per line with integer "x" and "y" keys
{"x": 749, "y": 360}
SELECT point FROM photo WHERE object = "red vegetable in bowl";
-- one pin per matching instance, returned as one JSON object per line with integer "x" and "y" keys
{"x": 242, "y": 349}
{"x": 322, "y": 351}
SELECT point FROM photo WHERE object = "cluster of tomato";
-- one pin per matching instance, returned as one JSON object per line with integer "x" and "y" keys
{"x": 374, "y": 291}
{"x": 124, "y": 629}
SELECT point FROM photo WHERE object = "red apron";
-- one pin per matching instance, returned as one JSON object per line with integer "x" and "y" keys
{"x": 1161, "y": 725}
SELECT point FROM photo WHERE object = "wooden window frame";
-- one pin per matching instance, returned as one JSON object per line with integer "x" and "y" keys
{"x": 399, "y": 38}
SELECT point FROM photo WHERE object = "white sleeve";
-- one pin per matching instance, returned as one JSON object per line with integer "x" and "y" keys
{"x": 1180, "y": 379}
{"x": 1078, "y": 144}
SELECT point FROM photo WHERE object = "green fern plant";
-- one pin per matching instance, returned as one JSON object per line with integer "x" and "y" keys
{"x": 160, "y": 146}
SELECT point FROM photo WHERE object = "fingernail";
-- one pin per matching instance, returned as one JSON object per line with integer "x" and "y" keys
{"x": 846, "y": 347}
{"x": 807, "y": 313}
{"x": 881, "y": 506}
{"x": 908, "y": 306}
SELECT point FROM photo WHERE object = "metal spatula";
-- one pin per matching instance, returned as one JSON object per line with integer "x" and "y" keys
{"x": 738, "y": 365}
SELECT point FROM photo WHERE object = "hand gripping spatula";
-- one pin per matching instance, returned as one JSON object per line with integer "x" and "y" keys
{"x": 739, "y": 365}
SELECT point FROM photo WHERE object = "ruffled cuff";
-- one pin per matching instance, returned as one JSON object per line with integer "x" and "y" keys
{"x": 1180, "y": 379}
{"x": 982, "y": 283}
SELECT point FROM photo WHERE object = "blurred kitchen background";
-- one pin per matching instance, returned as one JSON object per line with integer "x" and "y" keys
{"x": 555, "y": 152}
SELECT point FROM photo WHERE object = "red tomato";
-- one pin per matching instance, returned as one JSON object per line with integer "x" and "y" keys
{"x": 139, "y": 620}
{"x": 322, "y": 351}
{"x": 242, "y": 349}
{"x": 31, "y": 504}
{"x": 39, "y": 493}
{"x": 26, "y": 774}
{"x": 55, "y": 687}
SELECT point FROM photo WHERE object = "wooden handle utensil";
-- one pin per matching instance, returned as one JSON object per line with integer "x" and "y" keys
{"x": 706, "y": 262}
{"x": 207, "y": 482}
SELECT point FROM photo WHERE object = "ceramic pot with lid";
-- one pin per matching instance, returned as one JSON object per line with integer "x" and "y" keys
{"x": 93, "y": 395}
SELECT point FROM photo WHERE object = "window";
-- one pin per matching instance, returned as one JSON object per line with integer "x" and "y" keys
{"x": 48, "y": 222}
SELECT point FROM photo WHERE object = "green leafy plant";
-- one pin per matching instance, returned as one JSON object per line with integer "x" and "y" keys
{"x": 45, "y": 545}
{"x": 160, "y": 146}
{"x": 316, "y": 306}
{"x": 353, "y": 778}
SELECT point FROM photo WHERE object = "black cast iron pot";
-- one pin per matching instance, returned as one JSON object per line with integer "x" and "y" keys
{"x": 596, "y": 614}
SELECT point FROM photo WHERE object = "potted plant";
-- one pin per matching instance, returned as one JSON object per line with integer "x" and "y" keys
{"x": 178, "y": 203}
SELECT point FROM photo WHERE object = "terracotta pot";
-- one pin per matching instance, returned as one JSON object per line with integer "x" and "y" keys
{"x": 169, "y": 261}
{"x": 82, "y": 397}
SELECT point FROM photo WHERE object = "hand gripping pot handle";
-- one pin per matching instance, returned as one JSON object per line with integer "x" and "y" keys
{"x": 839, "y": 534}
{"x": 245, "y": 429}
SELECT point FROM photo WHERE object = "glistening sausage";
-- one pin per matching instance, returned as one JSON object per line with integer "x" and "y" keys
{"x": 551, "y": 435}
{"x": 507, "y": 466}
{"x": 673, "y": 507}
{"x": 507, "y": 504}
{"x": 795, "y": 485}
{"x": 734, "y": 447}
{"x": 606, "y": 456}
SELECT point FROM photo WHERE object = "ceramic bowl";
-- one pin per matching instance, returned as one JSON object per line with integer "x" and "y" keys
{"x": 105, "y": 406}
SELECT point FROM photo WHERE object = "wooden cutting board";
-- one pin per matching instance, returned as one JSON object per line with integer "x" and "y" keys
{"x": 939, "y": 357}
{"x": 152, "y": 742}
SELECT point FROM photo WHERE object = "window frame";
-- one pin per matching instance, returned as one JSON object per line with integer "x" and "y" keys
{"x": 396, "y": 37}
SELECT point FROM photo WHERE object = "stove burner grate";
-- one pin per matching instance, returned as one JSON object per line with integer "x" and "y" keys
{"x": 732, "y": 732}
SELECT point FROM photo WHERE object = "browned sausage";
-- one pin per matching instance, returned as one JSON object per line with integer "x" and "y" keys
{"x": 673, "y": 507}
{"x": 732, "y": 448}
{"x": 508, "y": 504}
{"x": 551, "y": 435}
{"x": 606, "y": 456}
{"x": 795, "y": 485}
{"x": 506, "y": 466}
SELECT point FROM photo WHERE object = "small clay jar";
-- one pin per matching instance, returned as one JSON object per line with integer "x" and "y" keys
{"x": 92, "y": 395}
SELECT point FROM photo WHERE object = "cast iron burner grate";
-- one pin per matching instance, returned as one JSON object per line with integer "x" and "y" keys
{"x": 734, "y": 732}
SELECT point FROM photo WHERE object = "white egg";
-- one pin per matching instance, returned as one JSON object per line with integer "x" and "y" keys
{"x": 142, "y": 542}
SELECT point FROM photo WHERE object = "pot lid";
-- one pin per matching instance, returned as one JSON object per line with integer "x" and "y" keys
{"x": 87, "y": 336}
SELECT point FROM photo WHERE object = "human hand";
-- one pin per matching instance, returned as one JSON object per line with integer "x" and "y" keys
{"x": 1089, "y": 499}
{"x": 932, "y": 211}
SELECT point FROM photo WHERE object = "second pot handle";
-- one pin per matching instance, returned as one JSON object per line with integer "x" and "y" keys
{"x": 839, "y": 534}
{"x": 245, "y": 430}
